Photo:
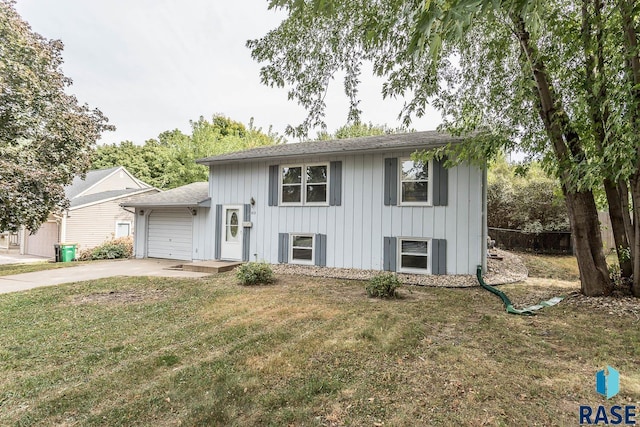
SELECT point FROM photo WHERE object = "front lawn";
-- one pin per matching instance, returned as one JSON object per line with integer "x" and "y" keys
{"x": 304, "y": 351}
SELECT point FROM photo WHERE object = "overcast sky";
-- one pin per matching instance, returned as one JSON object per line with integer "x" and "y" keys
{"x": 153, "y": 65}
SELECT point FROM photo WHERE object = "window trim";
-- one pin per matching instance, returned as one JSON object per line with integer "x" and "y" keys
{"x": 313, "y": 248}
{"x": 429, "y": 201}
{"x": 118, "y": 222}
{"x": 399, "y": 254}
{"x": 303, "y": 184}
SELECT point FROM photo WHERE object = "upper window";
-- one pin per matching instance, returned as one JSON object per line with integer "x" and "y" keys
{"x": 304, "y": 184}
{"x": 414, "y": 255}
{"x": 414, "y": 182}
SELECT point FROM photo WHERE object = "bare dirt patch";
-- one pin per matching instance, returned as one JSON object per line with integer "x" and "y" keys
{"x": 121, "y": 297}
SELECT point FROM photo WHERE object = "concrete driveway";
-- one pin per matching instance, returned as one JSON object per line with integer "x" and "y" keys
{"x": 91, "y": 271}
{"x": 19, "y": 259}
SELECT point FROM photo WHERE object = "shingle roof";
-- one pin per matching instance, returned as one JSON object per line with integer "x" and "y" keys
{"x": 415, "y": 140}
{"x": 78, "y": 185}
{"x": 190, "y": 195}
{"x": 104, "y": 195}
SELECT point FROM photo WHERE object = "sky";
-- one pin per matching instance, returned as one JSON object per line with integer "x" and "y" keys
{"x": 153, "y": 65}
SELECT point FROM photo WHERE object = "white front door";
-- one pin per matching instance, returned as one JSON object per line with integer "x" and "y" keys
{"x": 231, "y": 233}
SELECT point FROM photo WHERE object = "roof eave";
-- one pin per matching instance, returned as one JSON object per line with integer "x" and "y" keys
{"x": 205, "y": 161}
{"x": 201, "y": 204}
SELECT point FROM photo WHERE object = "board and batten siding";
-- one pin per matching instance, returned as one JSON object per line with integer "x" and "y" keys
{"x": 92, "y": 225}
{"x": 356, "y": 229}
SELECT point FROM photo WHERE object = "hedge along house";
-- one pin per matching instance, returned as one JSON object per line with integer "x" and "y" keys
{"x": 355, "y": 203}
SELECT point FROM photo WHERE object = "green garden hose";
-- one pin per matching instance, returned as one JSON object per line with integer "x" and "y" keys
{"x": 528, "y": 311}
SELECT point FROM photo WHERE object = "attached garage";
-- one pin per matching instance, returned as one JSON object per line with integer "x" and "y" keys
{"x": 170, "y": 234}
{"x": 174, "y": 224}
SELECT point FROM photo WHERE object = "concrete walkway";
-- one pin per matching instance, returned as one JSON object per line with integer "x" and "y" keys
{"x": 91, "y": 271}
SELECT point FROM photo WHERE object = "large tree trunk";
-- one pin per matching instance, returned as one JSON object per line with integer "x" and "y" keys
{"x": 633, "y": 56}
{"x": 635, "y": 194}
{"x": 596, "y": 84}
{"x": 588, "y": 242}
{"x": 623, "y": 190}
{"x": 583, "y": 215}
{"x": 616, "y": 214}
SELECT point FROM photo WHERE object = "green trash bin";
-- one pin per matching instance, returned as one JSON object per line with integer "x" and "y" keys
{"x": 67, "y": 252}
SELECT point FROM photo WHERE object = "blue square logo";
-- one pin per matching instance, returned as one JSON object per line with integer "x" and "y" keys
{"x": 608, "y": 382}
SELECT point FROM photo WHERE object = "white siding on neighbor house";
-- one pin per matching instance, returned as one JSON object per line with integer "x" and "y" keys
{"x": 355, "y": 230}
{"x": 170, "y": 234}
{"x": 120, "y": 180}
{"x": 148, "y": 245}
{"x": 94, "y": 224}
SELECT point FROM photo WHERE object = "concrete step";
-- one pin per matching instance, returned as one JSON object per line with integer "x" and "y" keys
{"x": 210, "y": 266}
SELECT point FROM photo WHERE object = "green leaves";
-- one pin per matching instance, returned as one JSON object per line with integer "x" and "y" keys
{"x": 46, "y": 136}
{"x": 169, "y": 161}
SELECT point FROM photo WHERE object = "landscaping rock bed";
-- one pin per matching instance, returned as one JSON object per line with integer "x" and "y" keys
{"x": 508, "y": 270}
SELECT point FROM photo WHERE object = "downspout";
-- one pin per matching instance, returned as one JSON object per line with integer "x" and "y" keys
{"x": 485, "y": 230}
{"x": 63, "y": 226}
{"x": 528, "y": 311}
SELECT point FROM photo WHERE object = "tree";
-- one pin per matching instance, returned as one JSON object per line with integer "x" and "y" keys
{"x": 502, "y": 73}
{"x": 46, "y": 136}
{"x": 523, "y": 197}
{"x": 169, "y": 161}
{"x": 357, "y": 130}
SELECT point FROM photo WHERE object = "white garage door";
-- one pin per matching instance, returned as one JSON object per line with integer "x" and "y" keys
{"x": 170, "y": 234}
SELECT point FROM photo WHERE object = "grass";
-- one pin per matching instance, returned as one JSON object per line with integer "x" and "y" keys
{"x": 9, "y": 269}
{"x": 313, "y": 352}
{"x": 559, "y": 267}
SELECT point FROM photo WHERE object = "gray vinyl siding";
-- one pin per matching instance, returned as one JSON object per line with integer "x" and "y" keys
{"x": 355, "y": 230}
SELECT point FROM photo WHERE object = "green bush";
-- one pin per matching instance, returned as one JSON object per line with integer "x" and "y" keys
{"x": 111, "y": 249}
{"x": 255, "y": 273}
{"x": 383, "y": 286}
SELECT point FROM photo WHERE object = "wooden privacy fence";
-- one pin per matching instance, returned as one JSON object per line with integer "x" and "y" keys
{"x": 548, "y": 242}
{"x": 607, "y": 234}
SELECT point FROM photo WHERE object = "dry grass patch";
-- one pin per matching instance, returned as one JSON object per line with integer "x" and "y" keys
{"x": 305, "y": 351}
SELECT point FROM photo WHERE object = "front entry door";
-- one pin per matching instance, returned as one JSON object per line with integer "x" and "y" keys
{"x": 231, "y": 233}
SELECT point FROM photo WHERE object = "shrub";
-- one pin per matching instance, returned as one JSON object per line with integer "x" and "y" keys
{"x": 383, "y": 286}
{"x": 255, "y": 273}
{"x": 117, "y": 248}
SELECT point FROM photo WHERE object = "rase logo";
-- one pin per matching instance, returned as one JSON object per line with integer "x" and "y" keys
{"x": 608, "y": 385}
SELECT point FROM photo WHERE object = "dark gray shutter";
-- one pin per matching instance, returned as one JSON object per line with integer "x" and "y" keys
{"x": 438, "y": 256}
{"x": 283, "y": 248}
{"x": 273, "y": 185}
{"x": 246, "y": 233}
{"x": 218, "y": 232}
{"x": 321, "y": 250}
{"x": 389, "y": 249}
{"x": 440, "y": 183}
{"x": 391, "y": 181}
{"x": 335, "y": 184}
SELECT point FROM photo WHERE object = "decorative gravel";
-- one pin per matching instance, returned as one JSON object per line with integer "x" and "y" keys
{"x": 508, "y": 270}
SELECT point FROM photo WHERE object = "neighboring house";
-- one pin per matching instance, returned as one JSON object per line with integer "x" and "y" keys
{"x": 94, "y": 214}
{"x": 174, "y": 224}
{"x": 356, "y": 203}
